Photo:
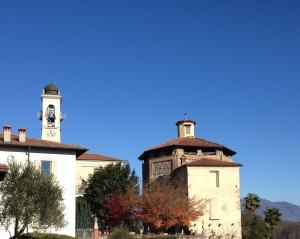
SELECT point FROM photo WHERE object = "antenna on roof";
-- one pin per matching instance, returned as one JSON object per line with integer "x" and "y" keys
{"x": 185, "y": 118}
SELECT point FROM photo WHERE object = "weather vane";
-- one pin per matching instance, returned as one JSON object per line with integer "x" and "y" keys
{"x": 185, "y": 114}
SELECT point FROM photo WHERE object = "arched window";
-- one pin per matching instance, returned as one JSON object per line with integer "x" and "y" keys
{"x": 50, "y": 115}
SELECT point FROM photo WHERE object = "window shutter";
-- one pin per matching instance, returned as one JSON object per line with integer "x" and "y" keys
{"x": 37, "y": 164}
{"x": 214, "y": 208}
{"x": 54, "y": 168}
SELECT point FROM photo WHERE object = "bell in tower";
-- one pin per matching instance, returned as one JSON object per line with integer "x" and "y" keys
{"x": 50, "y": 115}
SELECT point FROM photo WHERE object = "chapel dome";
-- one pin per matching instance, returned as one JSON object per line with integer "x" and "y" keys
{"x": 51, "y": 89}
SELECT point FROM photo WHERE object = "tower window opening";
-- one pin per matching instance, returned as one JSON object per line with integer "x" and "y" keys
{"x": 188, "y": 129}
{"x": 51, "y": 115}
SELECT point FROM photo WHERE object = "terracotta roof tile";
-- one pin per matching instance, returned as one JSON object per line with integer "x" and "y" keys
{"x": 39, "y": 143}
{"x": 212, "y": 162}
{"x": 96, "y": 157}
{"x": 3, "y": 166}
{"x": 190, "y": 142}
{"x": 182, "y": 141}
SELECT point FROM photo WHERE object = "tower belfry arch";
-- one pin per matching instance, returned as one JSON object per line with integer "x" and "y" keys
{"x": 51, "y": 115}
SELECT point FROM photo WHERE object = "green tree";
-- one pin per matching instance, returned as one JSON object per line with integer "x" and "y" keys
{"x": 252, "y": 202}
{"x": 253, "y": 226}
{"x": 29, "y": 197}
{"x": 83, "y": 213}
{"x": 106, "y": 182}
{"x": 272, "y": 219}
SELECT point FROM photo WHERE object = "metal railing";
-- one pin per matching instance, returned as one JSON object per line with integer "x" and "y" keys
{"x": 84, "y": 233}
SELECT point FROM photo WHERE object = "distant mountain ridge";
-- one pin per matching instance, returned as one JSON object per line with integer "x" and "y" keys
{"x": 290, "y": 212}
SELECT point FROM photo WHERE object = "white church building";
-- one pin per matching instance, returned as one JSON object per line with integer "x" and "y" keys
{"x": 69, "y": 163}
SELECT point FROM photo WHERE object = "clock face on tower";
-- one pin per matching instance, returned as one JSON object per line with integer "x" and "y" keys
{"x": 51, "y": 132}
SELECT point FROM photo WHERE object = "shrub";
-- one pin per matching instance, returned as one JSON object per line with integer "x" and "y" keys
{"x": 45, "y": 236}
{"x": 163, "y": 237}
{"x": 121, "y": 233}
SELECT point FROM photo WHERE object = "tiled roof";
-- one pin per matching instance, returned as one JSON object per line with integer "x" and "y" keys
{"x": 207, "y": 162}
{"x": 212, "y": 162}
{"x": 190, "y": 142}
{"x": 39, "y": 143}
{"x": 182, "y": 141}
{"x": 3, "y": 167}
{"x": 96, "y": 157}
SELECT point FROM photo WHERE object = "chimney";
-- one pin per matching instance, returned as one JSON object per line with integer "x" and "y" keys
{"x": 22, "y": 135}
{"x": 7, "y": 133}
{"x": 186, "y": 128}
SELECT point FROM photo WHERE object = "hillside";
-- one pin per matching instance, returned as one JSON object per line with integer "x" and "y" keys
{"x": 290, "y": 212}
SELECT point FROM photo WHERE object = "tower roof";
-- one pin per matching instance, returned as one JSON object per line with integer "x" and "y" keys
{"x": 51, "y": 89}
{"x": 182, "y": 142}
{"x": 185, "y": 121}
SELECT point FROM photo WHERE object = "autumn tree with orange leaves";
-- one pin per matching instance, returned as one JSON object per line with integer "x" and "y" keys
{"x": 121, "y": 208}
{"x": 165, "y": 204}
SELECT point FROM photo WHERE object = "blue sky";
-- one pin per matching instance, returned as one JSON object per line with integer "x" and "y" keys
{"x": 129, "y": 70}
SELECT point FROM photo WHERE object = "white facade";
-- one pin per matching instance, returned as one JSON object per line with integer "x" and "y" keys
{"x": 65, "y": 162}
{"x": 220, "y": 187}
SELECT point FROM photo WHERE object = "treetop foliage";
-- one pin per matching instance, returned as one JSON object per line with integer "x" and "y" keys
{"x": 272, "y": 217}
{"x": 106, "y": 182}
{"x": 252, "y": 202}
{"x": 121, "y": 208}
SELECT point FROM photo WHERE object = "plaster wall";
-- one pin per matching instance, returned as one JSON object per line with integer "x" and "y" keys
{"x": 65, "y": 175}
{"x": 182, "y": 132}
{"x": 84, "y": 168}
{"x": 222, "y": 215}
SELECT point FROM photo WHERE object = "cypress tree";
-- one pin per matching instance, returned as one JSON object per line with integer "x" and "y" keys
{"x": 83, "y": 214}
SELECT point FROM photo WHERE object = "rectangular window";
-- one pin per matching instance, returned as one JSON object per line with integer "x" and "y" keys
{"x": 46, "y": 167}
{"x": 188, "y": 129}
{"x": 214, "y": 179}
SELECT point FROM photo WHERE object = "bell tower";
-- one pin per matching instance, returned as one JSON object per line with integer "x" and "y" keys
{"x": 50, "y": 115}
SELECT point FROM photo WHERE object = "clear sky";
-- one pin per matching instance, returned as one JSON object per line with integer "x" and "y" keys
{"x": 129, "y": 70}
